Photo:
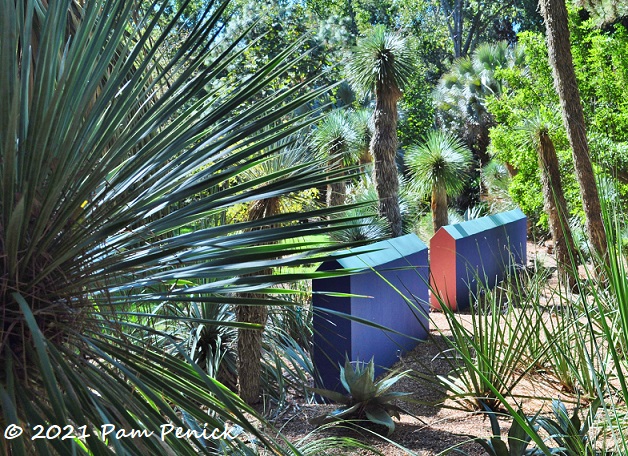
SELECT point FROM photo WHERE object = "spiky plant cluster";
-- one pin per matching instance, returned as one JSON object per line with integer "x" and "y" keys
{"x": 116, "y": 148}
{"x": 381, "y": 61}
{"x": 367, "y": 398}
{"x": 438, "y": 168}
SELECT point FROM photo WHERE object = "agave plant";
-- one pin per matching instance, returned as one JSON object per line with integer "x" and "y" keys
{"x": 110, "y": 146}
{"x": 367, "y": 398}
{"x": 518, "y": 438}
{"x": 206, "y": 333}
{"x": 572, "y": 436}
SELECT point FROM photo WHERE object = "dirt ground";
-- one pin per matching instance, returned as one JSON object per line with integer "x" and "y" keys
{"x": 433, "y": 426}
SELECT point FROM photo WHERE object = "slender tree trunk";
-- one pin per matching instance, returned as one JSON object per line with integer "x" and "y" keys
{"x": 384, "y": 151}
{"x": 555, "y": 15}
{"x": 250, "y": 340}
{"x": 336, "y": 194}
{"x": 556, "y": 208}
{"x": 336, "y": 191}
{"x": 512, "y": 171}
{"x": 250, "y": 351}
{"x": 439, "y": 209}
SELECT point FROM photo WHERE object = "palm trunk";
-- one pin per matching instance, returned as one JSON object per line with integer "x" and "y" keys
{"x": 384, "y": 151}
{"x": 250, "y": 340}
{"x": 556, "y": 208}
{"x": 439, "y": 208}
{"x": 555, "y": 15}
{"x": 336, "y": 194}
{"x": 250, "y": 351}
{"x": 336, "y": 191}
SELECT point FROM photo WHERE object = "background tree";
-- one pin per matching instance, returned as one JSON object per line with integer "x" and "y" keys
{"x": 438, "y": 168}
{"x": 555, "y": 202}
{"x": 461, "y": 94}
{"x": 470, "y": 22}
{"x": 560, "y": 58}
{"x": 336, "y": 139}
{"x": 381, "y": 64}
{"x": 605, "y": 12}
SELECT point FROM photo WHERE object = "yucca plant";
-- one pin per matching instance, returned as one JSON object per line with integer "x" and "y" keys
{"x": 487, "y": 355}
{"x": 336, "y": 139}
{"x": 439, "y": 168}
{"x": 109, "y": 147}
{"x": 204, "y": 331}
{"x": 367, "y": 398}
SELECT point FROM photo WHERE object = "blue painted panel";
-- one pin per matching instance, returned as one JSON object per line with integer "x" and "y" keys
{"x": 332, "y": 334}
{"x": 400, "y": 263}
{"x": 486, "y": 251}
{"x": 389, "y": 308}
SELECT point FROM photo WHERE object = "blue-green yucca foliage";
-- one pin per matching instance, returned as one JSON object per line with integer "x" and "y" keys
{"x": 111, "y": 142}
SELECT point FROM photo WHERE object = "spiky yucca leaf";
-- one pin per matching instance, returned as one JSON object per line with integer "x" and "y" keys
{"x": 112, "y": 144}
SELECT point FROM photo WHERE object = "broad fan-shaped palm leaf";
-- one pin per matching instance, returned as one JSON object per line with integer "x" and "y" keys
{"x": 460, "y": 97}
{"x": 439, "y": 167}
{"x": 110, "y": 149}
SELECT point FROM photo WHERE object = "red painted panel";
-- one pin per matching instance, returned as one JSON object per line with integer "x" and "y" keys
{"x": 443, "y": 269}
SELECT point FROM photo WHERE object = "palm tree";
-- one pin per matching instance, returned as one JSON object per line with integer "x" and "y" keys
{"x": 439, "y": 167}
{"x": 560, "y": 58}
{"x": 287, "y": 161}
{"x": 381, "y": 64}
{"x": 337, "y": 140}
{"x": 460, "y": 96}
{"x": 555, "y": 202}
{"x": 103, "y": 215}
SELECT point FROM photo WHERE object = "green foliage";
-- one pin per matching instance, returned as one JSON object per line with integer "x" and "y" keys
{"x": 416, "y": 109}
{"x": 570, "y": 434}
{"x": 117, "y": 153}
{"x": 528, "y": 94}
{"x": 207, "y": 332}
{"x": 601, "y": 61}
{"x": 461, "y": 94}
{"x": 518, "y": 439}
{"x": 367, "y": 398}
{"x": 572, "y": 437}
{"x": 604, "y": 12}
{"x": 366, "y": 225}
{"x": 336, "y": 139}
{"x": 381, "y": 58}
{"x": 490, "y": 353}
{"x": 274, "y": 26}
{"x": 440, "y": 163}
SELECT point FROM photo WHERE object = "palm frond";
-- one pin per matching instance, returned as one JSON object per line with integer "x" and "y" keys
{"x": 441, "y": 161}
{"x": 116, "y": 152}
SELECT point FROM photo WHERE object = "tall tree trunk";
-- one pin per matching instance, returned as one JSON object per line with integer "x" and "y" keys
{"x": 384, "y": 151}
{"x": 556, "y": 209}
{"x": 555, "y": 15}
{"x": 439, "y": 208}
{"x": 250, "y": 340}
{"x": 250, "y": 350}
{"x": 336, "y": 194}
